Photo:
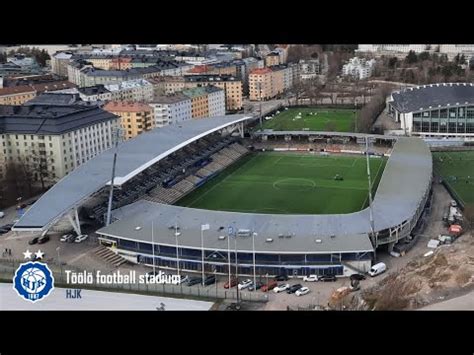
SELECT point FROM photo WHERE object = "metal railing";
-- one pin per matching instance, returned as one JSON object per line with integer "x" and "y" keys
{"x": 211, "y": 292}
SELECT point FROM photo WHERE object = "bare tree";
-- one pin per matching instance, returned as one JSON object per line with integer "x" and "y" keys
{"x": 469, "y": 216}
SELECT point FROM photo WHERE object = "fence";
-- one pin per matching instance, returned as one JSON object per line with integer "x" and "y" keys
{"x": 211, "y": 292}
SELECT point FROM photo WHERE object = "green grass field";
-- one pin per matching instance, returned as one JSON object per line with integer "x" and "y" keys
{"x": 277, "y": 182}
{"x": 457, "y": 168}
{"x": 333, "y": 120}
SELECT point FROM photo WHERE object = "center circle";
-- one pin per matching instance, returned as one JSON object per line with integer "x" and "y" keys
{"x": 294, "y": 184}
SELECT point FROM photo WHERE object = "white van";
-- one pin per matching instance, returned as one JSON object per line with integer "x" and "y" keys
{"x": 377, "y": 269}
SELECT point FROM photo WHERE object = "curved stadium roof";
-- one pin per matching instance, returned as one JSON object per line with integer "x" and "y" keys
{"x": 433, "y": 96}
{"x": 134, "y": 156}
{"x": 401, "y": 189}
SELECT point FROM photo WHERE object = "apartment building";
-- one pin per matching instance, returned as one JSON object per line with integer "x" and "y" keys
{"x": 18, "y": 95}
{"x": 232, "y": 86}
{"x": 171, "y": 109}
{"x": 199, "y": 102}
{"x": 135, "y": 118}
{"x": 359, "y": 68}
{"x": 59, "y": 63}
{"x": 215, "y": 101}
{"x": 121, "y": 63}
{"x": 95, "y": 93}
{"x": 272, "y": 59}
{"x": 265, "y": 84}
{"x": 139, "y": 90}
{"x": 53, "y": 139}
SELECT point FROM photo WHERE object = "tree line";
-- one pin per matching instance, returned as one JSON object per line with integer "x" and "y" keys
{"x": 40, "y": 55}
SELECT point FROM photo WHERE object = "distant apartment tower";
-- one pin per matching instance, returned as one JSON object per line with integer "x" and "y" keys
{"x": 272, "y": 59}
{"x": 215, "y": 101}
{"x": 171, "y": 109}
{"x": 135, "y": 118}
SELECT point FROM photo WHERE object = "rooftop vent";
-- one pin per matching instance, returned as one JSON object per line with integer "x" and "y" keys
{"x": 269, "y": 240}
{"x": 281, "y": 236}
{"x": 138, "y": 228}
{"x": 333, "y": 236}
{"x": 221, "y": 237}
{"x": 318, "y": 241}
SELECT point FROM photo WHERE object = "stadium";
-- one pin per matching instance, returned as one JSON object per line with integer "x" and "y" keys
{"x": 435, "y": 111}
{"x": 216, "y": 194}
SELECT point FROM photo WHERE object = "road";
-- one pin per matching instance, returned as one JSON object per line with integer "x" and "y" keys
{"x": 97, "y": 300}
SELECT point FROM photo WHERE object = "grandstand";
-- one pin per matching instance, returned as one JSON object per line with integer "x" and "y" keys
{"x": 158, "y": 168}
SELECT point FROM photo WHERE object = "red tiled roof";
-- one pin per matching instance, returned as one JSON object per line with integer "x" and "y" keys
{"x": 261, "y": 71}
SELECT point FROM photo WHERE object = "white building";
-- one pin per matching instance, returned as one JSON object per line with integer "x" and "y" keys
{"x": 59, "y": 63}
{"x": 216, "y": 101}
{"x": 139, "y": 90}
{"x": 309, "y": 69}
{"x": 359, "y": 68}
{"x": 61, "y": 137}
{"x": 401, "y": 48}
{"x": 453, "y": 50}
{"x": 171, "y": 109}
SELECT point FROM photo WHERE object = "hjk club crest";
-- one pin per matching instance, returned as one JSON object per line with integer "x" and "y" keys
{"x": 33, "y": 281}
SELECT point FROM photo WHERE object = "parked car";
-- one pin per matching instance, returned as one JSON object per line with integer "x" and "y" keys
{"x": 269, "y": 286}
{"x": 302, "y": 291}
{"x": 281, "y": 288}
{"x": 2, "y": 214}
{"x": 31, "y": 202}
{"x": 327, "y": 278}
{"x": 66, "y": 237}
{"x": 43, "y": 239}
{"x": 233, "y": 282}
{"x": 209, "y": 280}
{"x": 377, "y": 269}
{"x": 33, "y": 241}
{"x": 294, "y": 288}
{"x": 258, "y": 286}
{"x": 310, "y": 278}
{"x": 282, "y": 277}
{"x": 7, "y": 226}
{"x": 358, "y": 277}
{"x": 81, "y": 238}
{"x": 244, "y": 284}
{"x": 194, "y": 281}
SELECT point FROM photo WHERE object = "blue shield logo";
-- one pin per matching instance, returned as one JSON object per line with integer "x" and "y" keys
{"x": 33, "y": 281}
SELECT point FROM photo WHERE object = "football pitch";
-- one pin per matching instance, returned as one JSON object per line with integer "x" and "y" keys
{"x": 457, "y": 169}
{"x": 330, "y": 120}
{"x": 289, "y": 183}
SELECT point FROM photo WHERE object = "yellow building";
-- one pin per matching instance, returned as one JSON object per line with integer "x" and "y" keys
{"x": 232, "y": 86}
{"x": 17, "y": 95}
{"x": 272, "y": 59}
{"x": 199, "y": 102}
{"x": 104, "y": 63}
{"x": 136, "y": 118}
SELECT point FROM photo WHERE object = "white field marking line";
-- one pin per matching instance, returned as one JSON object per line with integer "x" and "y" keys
{"x": 372, "y": 185}
{"x": 212, "y": 188}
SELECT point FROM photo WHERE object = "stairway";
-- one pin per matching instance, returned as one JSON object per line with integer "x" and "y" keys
{"x": 109, "y": 256}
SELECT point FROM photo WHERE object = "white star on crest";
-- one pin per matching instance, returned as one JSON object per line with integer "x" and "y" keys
{"x": 27, "y": 254}
{"x": 39, "y": 254}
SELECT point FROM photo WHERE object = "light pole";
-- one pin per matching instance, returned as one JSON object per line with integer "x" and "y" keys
{"x": 153, "y": 249}
{"x": 254, "y": 234}
{"x": 176, "y": 234}
{"x": 228, "y": 255}
{"x": 111, "y": 193}
{"x": 59, "y": 262}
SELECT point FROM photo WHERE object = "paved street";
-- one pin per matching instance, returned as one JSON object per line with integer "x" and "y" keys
{"x": 97, "y": 300}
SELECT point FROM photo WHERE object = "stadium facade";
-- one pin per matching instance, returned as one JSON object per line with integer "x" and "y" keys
{"x": 435, "y": 111}
{"x": 146, "y": 228}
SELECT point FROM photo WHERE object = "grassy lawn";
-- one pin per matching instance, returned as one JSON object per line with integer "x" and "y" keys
{"x": 337, "y": 120}
{"x": 276, "y": 182}
{"x": 456, "y": 168}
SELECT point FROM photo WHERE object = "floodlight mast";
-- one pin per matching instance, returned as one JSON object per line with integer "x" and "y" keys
{"x": 109, "y": 207}
{"x": 371, "y": 216}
